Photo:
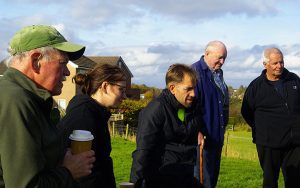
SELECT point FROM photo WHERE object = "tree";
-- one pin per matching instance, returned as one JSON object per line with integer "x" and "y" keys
{"x": 236, "y": 98}
{"x": 131, "y": 110}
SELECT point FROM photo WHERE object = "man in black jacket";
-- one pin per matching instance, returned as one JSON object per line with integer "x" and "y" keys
{"x": 271, "y": 106}
{"x": 167, "y": 135}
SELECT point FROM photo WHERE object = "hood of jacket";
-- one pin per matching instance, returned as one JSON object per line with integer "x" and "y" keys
{"x": 83, "y": 99}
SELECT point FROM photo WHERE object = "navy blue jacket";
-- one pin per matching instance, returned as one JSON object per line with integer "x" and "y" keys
{"x": 274, "y": 118}
{"x": 213, "y": 104}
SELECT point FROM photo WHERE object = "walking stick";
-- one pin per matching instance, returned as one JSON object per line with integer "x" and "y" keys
{"x": 201, "y": 141}
{"x": 201, "y": 164}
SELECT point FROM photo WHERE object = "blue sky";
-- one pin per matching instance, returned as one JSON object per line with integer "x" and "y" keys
{"x": 150, "y": 35}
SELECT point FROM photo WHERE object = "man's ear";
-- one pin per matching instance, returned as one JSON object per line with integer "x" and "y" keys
{"x": 171, "y": 87}
{"x": 265, "y": 64}
{"x": 35, "y": 64}
{"x": 206, "y": 53}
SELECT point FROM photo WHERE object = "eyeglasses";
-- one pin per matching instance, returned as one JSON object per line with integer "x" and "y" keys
{"x": 121, "y": 88}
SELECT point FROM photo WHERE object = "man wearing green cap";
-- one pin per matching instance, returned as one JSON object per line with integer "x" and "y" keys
{"x": 168, "y": 134}
{"x": 31, "y": 154}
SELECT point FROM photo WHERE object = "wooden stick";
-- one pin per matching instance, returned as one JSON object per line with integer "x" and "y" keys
{"x": 201, "y": 163}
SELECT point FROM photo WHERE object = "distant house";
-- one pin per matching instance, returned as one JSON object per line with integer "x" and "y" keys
{"x": 82, "y": 65}
{"x": 118, "y": 61}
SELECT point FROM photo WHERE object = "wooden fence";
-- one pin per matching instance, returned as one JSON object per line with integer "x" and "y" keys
{"x": 125, "y": 131}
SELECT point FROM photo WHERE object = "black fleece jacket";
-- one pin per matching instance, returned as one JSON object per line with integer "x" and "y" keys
{"x": 273, "y": 117}
{"x": 166, "y": 146}
{"x": 84, "y": 113}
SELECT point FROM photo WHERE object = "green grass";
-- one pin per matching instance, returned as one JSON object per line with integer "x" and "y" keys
{"x": 121, "y": 155}
{"x": 241, "y": 173}
{"x": 238, "y": 144}
{"x": 239, "y": 166}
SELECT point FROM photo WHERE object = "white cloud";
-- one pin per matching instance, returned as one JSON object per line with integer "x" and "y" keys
{"x": 90, "y": 13}
{"x": 249, "y": 61}
{"x": 152, "y": 35}
{"x": 149, "y": 63}
{"x": 60, "y": 27}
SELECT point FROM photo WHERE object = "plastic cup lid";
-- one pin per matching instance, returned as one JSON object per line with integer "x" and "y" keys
{"x": 81, "y": 135}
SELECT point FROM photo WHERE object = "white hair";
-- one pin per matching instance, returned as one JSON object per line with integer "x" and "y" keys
{"x": 45, "y": 51}
{"x": 214, "y": 44}
{"x": 267, "y": 52}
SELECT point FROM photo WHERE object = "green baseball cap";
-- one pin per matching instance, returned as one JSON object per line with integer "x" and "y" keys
{"x": 37, "y": 36}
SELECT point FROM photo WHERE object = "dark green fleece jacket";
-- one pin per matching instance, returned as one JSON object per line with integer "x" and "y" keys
{"x": 30, "y": 149}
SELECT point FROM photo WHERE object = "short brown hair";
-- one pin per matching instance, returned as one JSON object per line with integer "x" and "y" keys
{"x": 177, "y": 71}
{"x": 91, "y": 81}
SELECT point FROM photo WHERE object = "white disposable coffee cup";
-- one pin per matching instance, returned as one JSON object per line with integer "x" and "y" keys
{"x": 126, "y": 185}
{"x": 81, "y": 141}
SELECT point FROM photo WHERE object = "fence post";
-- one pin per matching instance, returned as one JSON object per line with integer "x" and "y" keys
{"x": 113, "y": 128}
{"x": 226, "y": 143}
{"x": 126, "y": 133}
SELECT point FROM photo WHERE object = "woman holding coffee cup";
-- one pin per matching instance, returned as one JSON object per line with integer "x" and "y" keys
{"x": 103, "y": 88}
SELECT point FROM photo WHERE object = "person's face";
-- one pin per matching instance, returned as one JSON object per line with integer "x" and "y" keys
{"x": 116, "y": 93}
{"x": 275, "y": 66}
{"x": 215, "y": 57}
{"x": 53, "y": 72}
{"x": 184, "y": 91}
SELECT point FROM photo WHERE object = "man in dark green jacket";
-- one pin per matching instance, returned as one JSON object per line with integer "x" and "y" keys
{"x": 31, "y": 154}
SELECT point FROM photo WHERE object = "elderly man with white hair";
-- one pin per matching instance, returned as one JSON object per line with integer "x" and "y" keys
{"x": 31, "y": 151}
{"x": 213, "y": 102}
{"x": 271, "y": 106}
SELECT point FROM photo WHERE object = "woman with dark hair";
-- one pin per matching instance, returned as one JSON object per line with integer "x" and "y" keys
{"x": 103, "y": 88}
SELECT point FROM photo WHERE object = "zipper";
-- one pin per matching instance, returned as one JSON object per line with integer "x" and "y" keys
{"x": 287, "y": 107}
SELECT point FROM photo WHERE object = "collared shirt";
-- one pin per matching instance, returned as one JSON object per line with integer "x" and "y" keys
{"x": 219, "y": 81}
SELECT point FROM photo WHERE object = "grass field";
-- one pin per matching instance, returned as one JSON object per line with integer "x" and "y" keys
{"x": 239, "y": 145}
{"x": 121, "y": 154}
{"x": 239, "y": 167}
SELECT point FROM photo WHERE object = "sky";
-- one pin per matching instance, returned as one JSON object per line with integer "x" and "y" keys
{"x": 150, "y": 35}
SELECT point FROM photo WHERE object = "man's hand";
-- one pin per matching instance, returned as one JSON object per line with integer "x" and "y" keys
{"x": 79, "y": 165}
{"x": 200, "y": 139}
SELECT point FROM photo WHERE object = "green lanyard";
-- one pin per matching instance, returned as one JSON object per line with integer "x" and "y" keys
{"x": 181, "y": 114}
